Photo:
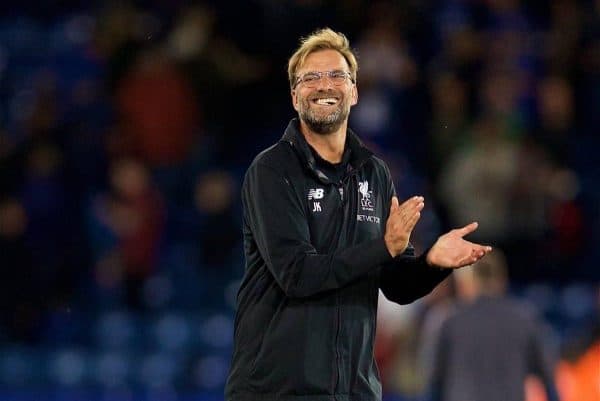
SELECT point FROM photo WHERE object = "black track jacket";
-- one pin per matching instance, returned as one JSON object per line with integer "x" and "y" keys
{"x": 315, "y": 261}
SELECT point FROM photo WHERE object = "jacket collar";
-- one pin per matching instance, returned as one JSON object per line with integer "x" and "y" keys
{"x": 358, "y": 156}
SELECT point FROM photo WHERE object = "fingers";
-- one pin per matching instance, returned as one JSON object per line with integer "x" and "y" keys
{"x": 477, "y": 253}
{"x": 411, "y": 221}
{"x": 469, "y": 259}
{"x": 468, "y": 229}
{"x": 411, "y": 203}
{"x": 482, "y": 248}
{"x": 478, "y": 247}
{"x": 395, "y": 204}
{"x": 416, "y": 203}
{"x": 409, "y": 211}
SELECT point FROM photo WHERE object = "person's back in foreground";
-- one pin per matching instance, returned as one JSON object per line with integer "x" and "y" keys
{"x": 323, "y": 232}
{"x": 492, "y": 343}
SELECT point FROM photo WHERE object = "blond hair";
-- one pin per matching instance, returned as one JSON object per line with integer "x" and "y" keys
{"x": 489, "y": 275}
{"x": 322, "y": 39}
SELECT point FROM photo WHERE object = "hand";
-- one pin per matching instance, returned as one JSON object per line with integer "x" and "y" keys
{"x": 401, "y": 222}
{"x": 452, "y": 251}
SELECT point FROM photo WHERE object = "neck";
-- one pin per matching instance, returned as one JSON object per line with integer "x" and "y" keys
{"x": 330, "y": 146}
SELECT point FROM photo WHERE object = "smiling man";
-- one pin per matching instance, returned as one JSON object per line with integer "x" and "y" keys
{"x": 323, "y": 233}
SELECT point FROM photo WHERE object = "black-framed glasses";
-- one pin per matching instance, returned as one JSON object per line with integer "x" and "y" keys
{"x": 311, "y": 79}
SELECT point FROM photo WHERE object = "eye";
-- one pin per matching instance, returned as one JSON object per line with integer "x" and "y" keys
{"x": 338, "y": 74}
{"x": 310, "y": 77}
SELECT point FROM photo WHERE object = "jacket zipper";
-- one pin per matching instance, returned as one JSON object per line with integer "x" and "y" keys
{"x": 336, "y": 371}
{"x": 342, "y": 187}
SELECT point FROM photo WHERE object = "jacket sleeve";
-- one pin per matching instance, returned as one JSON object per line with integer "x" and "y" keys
{"x": 407, "y": 278}
{"x": 278, "y": 221}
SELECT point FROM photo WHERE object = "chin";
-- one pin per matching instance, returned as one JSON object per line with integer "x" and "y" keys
{"x": 325, "y": 125}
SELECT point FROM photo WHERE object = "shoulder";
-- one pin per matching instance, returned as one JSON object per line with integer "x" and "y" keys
{"x": 276, "y": 163}
{"x": 380, "y": 172}
{"x": 379, "y": 163}
{"x": 522, "y": 309}
{"x": 271, "y": 156}
{"x": 278, "y": 158}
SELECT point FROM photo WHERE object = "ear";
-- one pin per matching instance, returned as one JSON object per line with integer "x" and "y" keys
{"x": 354, "y": 95}
{"x": 294, "y": 95}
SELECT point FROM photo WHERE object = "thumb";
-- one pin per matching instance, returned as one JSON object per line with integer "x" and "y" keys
{"x": 469, "y": 228}
{"x": 395, "y": 204}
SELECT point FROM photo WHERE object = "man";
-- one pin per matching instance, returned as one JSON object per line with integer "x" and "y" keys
{"x": 323, "y": 232}
{"x": 487, "y": 349}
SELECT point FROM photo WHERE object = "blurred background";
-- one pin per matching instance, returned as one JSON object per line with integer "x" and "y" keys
{"x": 126, "y": 128}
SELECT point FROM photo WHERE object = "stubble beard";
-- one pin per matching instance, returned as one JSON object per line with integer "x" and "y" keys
{"x": 323, "y": 124}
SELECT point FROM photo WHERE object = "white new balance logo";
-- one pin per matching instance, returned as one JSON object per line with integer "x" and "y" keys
{"x": 315, "y": 193}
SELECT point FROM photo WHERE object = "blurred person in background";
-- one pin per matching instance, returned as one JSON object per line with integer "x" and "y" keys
{"x": 449, "y": 121}
{"x": 317, "y": 251}
{"x": 158, "y": 110}
{"x": 438, "y": 307}
{"x": 21, "y": 306}
{"x": 488, "y": 347}
{"x": 138, "y": 220}
{"x": 579, "y": 368}
{"x": 214, "y": 196}
{"x": 482, "y": 175}
{"x": 127, "y": 224}
{"x": 556, "y": 111}
{"x": 388, "y": 73}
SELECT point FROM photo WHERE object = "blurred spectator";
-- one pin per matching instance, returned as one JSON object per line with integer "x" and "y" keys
{"x": 51, "y": 220}
{"x": 500, "y": 93}
{"x": 440, "y": 305}
{"x": 132, "y": 214}
{"x": 579, "y": 370}
{"x": 508, "y": 35}
{"x": 488, "y": 347}
{"x": 405, "y": 338}
{"x": 449, "y": 120}
{"x": 556, "y": 112}
{"x": 482, "y": 175}
{"x": 394, "y": 346}
{"x": 562, "y": 38}
{"x": 385, "y": 114}
{"x": 21, "y": 307}
{"x": 219, "y": 231}
{"x": 457, "y": 45}
{"x": 138, "y": 219}
{"x": 222, "y": 75}
{"x": 157, "y": 109}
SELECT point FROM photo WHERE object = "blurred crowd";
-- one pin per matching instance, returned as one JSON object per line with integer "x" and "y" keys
{"x": 126, "y": 127}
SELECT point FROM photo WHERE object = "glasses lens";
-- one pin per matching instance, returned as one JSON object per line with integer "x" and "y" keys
{"x": 337, "y": 77}
{"x": 312, "y": 79}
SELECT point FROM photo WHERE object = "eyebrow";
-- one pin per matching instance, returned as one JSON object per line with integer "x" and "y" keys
{"x": 315, "y": 71}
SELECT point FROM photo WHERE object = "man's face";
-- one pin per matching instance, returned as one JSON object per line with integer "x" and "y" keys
{"x": 324, "y": 106}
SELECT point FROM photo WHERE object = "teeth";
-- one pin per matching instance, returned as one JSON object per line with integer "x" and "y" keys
{"x": 328, "y": 101}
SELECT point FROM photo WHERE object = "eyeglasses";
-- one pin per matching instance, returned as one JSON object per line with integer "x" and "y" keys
{"x": 311, "y": 79}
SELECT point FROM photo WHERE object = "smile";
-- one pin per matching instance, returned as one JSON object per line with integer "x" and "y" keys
{"x": 328, "y": 101}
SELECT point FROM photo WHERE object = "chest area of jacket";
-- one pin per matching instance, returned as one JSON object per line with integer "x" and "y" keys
{"x": 344, "y": 213}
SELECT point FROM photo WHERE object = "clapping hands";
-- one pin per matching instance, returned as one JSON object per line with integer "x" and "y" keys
{"x": 450, "y": 250}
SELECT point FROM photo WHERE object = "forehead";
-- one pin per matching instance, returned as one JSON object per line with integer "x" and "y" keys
{"x": 324, "y": 60}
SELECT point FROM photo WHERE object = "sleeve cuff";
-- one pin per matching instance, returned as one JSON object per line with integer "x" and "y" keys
{"x": 379, "y": 251}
